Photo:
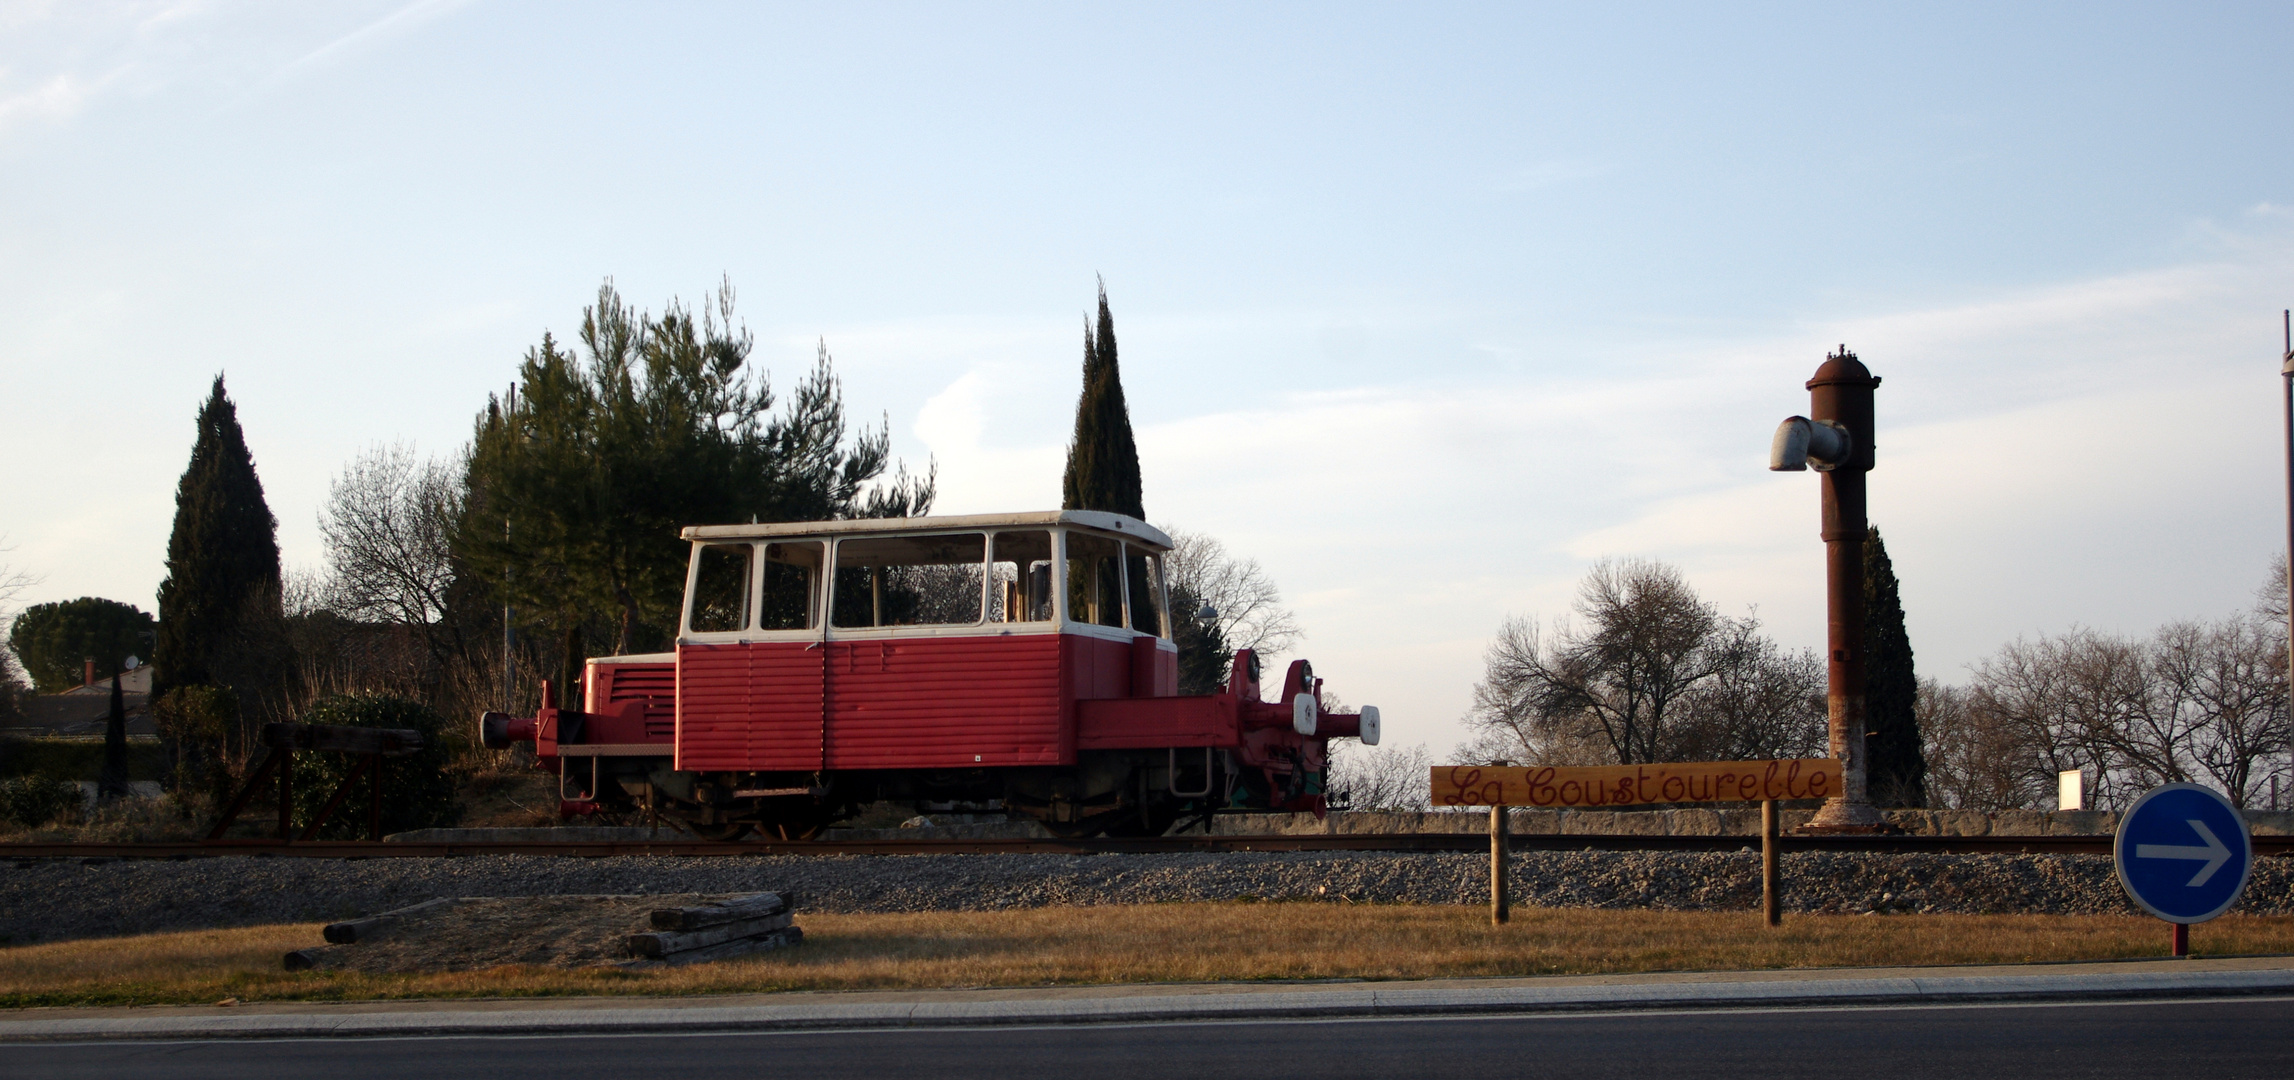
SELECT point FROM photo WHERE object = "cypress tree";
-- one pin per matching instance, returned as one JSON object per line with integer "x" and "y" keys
{"x": 1896, "y": 769}
{"x": 111, "y": 783}
{"x": 219, "y": 608}
{"x": 1102, "y": 461}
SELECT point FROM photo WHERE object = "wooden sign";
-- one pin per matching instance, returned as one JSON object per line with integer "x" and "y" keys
{"x": 1630, "y": 785}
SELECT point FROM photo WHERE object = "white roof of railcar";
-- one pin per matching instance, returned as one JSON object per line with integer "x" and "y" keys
{"x": 1128, "y": 527}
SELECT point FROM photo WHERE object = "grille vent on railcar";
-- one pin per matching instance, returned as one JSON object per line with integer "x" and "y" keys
{"x": 656, "y": 685}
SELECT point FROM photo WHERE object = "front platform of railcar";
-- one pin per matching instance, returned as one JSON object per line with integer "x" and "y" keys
{"x": 1015, "y": 661}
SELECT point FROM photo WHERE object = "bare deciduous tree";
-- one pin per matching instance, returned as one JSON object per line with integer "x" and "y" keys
{"x": 1655, "y": 674}
{"x": 389, "y": 523}
{"x": 13, "y": 685}
{"x": 1382, "y": 777}
{"x": 2201, "y": 702}
{"x": 1250, "y": 611}
{"x": 1973, "y": 764}
{"x": 2228, "y": 679}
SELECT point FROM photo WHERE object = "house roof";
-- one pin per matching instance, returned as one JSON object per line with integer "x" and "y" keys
{"x": 83, "y": 714}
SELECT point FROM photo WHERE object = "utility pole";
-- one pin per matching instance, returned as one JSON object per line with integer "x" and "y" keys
{"x": 1836, "y": 439}
{"x": 2286, "y": 372}
{"x": 509, "y": 633}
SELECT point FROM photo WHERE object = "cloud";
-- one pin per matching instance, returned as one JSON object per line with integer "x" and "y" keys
{"x": 60, "y": 97}
{"x": 397, "y": 24}
{"x": 57, "y": 61}
{"x": 2101, "y": 452}
{"x": 975, "y": 476}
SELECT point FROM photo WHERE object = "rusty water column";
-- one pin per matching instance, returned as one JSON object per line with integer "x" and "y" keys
{"x": 1836, "y": 439}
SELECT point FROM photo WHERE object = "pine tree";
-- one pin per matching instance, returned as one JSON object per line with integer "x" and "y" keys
{"x": 53, "y": 640}
{"x": 219, "y": 609}
{"x": 1103, "y": 461}
{"x": 574, "y": 495}
{"x": 1895, "y": 768}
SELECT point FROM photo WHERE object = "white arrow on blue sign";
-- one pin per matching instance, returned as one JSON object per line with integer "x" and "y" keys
{"x": 2183, "y": 853}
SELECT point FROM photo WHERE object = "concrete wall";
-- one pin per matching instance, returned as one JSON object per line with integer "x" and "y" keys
{"x": 1698, "y": 822}
{"x": 1525, "y": 822}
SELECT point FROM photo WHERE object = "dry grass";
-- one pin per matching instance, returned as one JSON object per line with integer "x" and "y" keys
{"x": 1147, "y": 943}
{"x": 124, "y": 821}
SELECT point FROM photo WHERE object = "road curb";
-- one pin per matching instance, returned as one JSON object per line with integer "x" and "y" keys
{"x": 1350, "y": 1003}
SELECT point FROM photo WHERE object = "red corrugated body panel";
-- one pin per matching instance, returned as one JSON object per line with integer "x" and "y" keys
{"x": 1097, "y": 668}
{"x": 744, "y": 707}
{"x": 946, "y": 702}
{"x": 1133, "y": 723}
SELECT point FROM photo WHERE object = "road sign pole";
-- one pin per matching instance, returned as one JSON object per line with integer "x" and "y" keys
{"x": 2182, "y": 939}
{"x": 1771, "y": 897}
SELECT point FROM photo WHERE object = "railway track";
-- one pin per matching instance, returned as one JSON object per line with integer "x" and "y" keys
{"x": 1431, "y": 842}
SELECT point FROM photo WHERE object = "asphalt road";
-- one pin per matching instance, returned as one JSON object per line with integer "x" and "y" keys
{"x": 2218, "y": 1040}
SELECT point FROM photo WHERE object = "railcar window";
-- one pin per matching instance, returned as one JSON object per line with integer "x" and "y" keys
{"x": 1147, "y": 603}
{"x": 720, "y": 588}
{"x": 791, "y": 588}
{"x": 1094, "y": 579}
{"x": 911, "y": 580}
{"x": 1019, "y": 578}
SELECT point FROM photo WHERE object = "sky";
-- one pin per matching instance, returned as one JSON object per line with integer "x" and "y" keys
{"x": 1425, "y": 307}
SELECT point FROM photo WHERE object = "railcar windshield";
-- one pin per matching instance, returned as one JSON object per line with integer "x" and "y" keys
{"x": 926, "y": 580}
{"x": 1112, "y": 583}
{"x": 1148, "y": 609}
{"x": 1094, "y": 579}
{"x": 718, "y": 598}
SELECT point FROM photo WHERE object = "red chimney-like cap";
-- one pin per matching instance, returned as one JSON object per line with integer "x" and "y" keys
{"x": 1842, "y": 367}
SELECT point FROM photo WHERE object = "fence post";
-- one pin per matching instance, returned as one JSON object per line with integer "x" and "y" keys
{"x": 374, "y": 797}
{"x": 1771, "y": 896}
{"x": 1499, "y": 908}
{"x": 286, "y": 795}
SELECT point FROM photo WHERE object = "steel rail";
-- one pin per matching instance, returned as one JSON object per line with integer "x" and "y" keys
{"x": 1404, "y": 842}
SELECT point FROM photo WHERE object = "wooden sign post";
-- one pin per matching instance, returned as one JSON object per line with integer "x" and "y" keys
{"x": 1557, "y": 787}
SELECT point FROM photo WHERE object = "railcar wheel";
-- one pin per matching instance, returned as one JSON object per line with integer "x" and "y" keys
{"x": 1155, "y": 819}
{"x": 1076, "y": 830}
{"x": 794, "y": 828}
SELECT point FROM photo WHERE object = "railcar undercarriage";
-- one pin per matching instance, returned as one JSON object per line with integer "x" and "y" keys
{"x": 1115, "y": 793}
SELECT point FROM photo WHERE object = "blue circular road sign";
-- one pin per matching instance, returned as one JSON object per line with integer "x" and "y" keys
{"x": 2183, "y": 853}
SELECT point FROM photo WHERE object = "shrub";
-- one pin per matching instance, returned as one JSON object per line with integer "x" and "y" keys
{"x": 33, "y": 801}
{"x": 417, "y": 792}
{"x": 195, "y": 722}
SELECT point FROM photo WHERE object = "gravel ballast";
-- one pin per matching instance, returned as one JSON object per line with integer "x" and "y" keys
{"x": 58, "y": 899}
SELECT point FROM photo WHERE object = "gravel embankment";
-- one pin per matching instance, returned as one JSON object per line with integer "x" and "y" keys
{"x": 52, "y": 899}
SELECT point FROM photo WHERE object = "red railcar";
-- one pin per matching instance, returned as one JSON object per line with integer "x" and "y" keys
{"x": 1020, "y": 661}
